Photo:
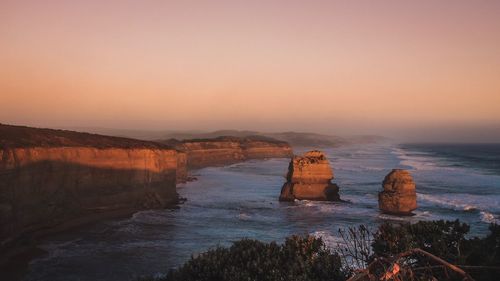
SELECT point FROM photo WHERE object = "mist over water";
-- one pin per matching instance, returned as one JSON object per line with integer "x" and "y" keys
{"x": 241, "y": 201}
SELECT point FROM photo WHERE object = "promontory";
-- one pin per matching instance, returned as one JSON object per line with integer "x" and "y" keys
{"x": 51, "y": 180}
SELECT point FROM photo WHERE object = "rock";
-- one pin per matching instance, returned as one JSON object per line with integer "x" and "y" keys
{"x": 399, "y": 196}
{"x": 220, "y": 151}
{"x": 309, "y": 178}
{"x": 52, "y": 178}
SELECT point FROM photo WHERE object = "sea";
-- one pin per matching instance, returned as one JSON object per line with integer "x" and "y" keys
{"x": 225, "y": 204}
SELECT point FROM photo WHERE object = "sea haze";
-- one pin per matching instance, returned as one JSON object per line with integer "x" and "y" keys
{"x": 241, "y": 201}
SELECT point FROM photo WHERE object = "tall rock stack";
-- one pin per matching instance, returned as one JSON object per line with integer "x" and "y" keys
{"x": 399, "y": 196}
{"x": 309, "y": 178}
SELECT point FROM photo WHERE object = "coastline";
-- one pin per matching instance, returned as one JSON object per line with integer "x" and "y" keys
{"x": 17, "y": 256}
{"x": 55, "y": 181}
{"x": 240, "y": 201}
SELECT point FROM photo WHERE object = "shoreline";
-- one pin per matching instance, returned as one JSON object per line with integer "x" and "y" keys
{"x": 17, "y": 257}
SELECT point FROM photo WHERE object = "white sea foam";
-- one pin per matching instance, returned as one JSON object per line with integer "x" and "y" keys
{"x": 331, "y": 241}
{"x": 489, "y": 217}
{"x": 358, "y": 168}
{"x": 468, "y": 203}
{"x": 244, "y": 216}
{"x": 149, "y": 217}
{"x": 224, "y": 197}
{"x": 417, "y": 162}
{"x": 420, "y": 161}
{"x": 392, "y": 217}
{"x": 450, "y": 203}
{"x": 56, "y": 249}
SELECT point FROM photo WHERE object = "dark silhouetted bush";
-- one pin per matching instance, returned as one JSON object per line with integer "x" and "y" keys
{"x": 445, "y": 239}
{"x": 441, "y": 238}
{"x": 307, "y": 258}
{"x": 299, "y": 258}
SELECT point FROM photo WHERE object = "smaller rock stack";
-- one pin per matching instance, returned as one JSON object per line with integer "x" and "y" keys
{"x": 309, "y": 178}
{"x": 399, "y": 196}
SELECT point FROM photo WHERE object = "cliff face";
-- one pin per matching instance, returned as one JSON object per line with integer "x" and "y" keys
{"x": 52, "y": 178}
{"x": 399, "y": 195}
{"x": 60, "y": 181}
{"x": 309, "y": 178}
{"x": 228, "y": 150}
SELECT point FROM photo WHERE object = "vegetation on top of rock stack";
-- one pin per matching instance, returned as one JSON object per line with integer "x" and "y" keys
{"x": 427, "y": 250}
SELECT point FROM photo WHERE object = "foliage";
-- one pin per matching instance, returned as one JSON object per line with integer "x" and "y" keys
{"x": 445, "y": 239}
{"x": 356, "y": 247}
{"x": 485, "y": 252}
{"x": 421, "y": 251}
{"x": 442, "y": 238}
{"x": 299, "y": 258}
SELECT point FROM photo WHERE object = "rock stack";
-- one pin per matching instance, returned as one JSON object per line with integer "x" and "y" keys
{"x": 309, "y": 178}
{"x": 399, "y": 196}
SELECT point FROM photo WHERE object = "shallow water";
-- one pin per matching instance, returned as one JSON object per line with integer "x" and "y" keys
{"x": 241, "y": 201}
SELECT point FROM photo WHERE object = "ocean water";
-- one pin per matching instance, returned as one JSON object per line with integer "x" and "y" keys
{"x": 241, "y": 201}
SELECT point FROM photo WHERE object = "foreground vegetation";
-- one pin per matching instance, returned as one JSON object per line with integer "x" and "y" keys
{"x": 436, "y": 250}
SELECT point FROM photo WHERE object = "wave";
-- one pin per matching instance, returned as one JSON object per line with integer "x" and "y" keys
{"x": 57, "y": 249}
{"x": 331, "y": 241}
{"x": 489, "y": 218}
{"x": 389, "y": 217}
{"x": 320, "y": 205}
{"x": 151, "y": 217}
{"x": 359, "y": 168}
{"x": 454, "y": 204}
{"x": 244, "y": 217}
{"x": 417, "y": 161}
{"x": 486, "y": 207}
{"x": 423, "y": 161}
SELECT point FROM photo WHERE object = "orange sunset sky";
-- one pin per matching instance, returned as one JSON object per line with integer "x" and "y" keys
{"x": 346, "y": 67}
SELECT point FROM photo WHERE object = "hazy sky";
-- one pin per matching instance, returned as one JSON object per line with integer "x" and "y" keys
{"x": 328, "y": 66}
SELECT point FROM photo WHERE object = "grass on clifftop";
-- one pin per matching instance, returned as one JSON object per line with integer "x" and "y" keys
{"x": 21, "y": 136}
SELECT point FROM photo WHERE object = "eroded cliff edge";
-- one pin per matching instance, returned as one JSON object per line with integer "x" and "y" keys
{"x": 219, "y": 151}
{"x": 52, "y": 177}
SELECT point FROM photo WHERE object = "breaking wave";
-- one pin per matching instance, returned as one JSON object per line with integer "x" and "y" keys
{"x": 489, "y": 218}
{"x": 331, "y": 241}
{"x": 453, "y": 204}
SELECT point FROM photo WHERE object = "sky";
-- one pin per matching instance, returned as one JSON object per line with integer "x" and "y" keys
{"x": 340, "y": 67}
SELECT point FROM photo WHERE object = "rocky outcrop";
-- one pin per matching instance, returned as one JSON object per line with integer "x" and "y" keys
{"x": 49, "y": 178}
{"x": 309, "y": 178}
{"x": 399, "y": 196}
{"x": 182, "y": 169}
{"x": 228, "y": 150}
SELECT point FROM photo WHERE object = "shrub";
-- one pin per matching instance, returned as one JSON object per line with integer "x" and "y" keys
{"x": 307, "y": 258}
{"x": 299, "y": 258}
{"x": 441, "y": 238}
{"x": 445, "y": 239}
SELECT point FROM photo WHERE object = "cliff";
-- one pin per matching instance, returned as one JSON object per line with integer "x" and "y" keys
{"x": 399, "y": 195}
{"x": 227, "y": 150}
{"x": 49, "y": 178}
{"x": 309, "y": 178}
